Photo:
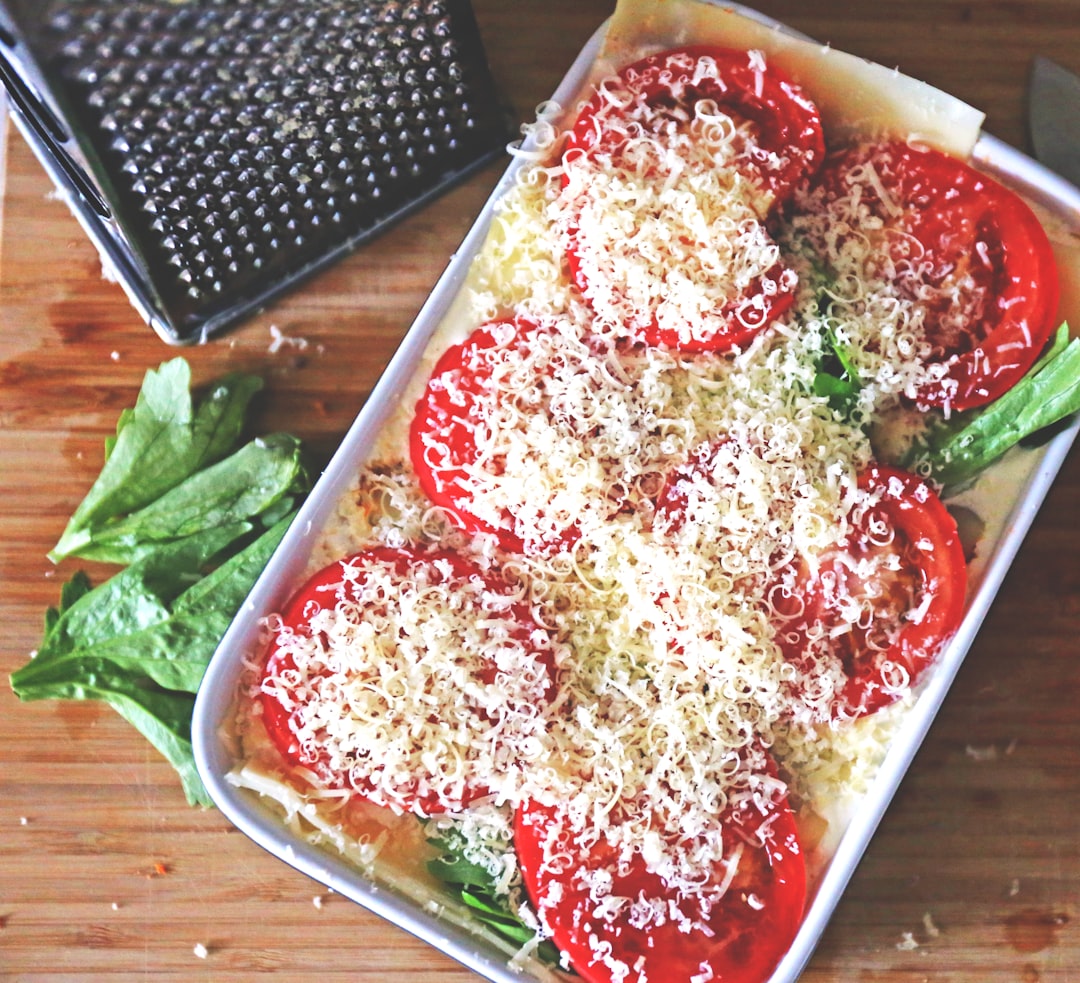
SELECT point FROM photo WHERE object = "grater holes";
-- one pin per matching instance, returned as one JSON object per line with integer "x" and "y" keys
{"x": 267, "y": 126}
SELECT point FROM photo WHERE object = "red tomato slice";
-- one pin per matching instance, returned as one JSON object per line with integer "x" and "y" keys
{"x": 740, "y": 938}
{"x": 928, "y": 591}
{"x": 976, "y": 236}
{"x": 780, "y": 143}
{"x": 459, "y": 413}
{"x": 341, "y": 584}
{"x": 443, "y": 435}
{"x": 785, "y": 143}
{"x": 916, "y": 599}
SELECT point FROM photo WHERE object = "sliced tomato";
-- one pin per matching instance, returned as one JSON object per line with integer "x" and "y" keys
{"x": 984, "y": 267}
{"x": 738, "y": 937}
{"x": 340, "y": 586}
{"x": 909, "y": 547}
{"x": 784, "y": 142}
{"x": 457, "y": 454}
{"x": 778, "y": 143}
{"x": 443, "y": 436}
{"x": 926, "y": 593}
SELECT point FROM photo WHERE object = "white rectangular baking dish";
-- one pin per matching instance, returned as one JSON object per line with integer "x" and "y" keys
{"x": 1029, "y": 475}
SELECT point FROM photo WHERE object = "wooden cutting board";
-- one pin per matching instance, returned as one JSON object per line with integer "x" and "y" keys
{"x": 106, "y": 873}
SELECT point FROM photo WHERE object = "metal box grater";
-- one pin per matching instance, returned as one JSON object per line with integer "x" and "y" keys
{"x": 219, "y": 151}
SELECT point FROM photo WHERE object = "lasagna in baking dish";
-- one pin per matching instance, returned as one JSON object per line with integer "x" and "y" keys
{"x": 626, "y": 603}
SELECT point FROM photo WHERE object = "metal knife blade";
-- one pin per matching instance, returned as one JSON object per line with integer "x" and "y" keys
{"x": 1054, "y": 117}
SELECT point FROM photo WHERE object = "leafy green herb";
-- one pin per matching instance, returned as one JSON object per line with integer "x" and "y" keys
{"x": 158, "y": 444}
{"x": 195, "y": 539}
{"x": 475, "y": 887}
{"x": 141, "y": 641}
{"x": 837, "y": 378}
{"x": 228, "y": 495}
{"x": 954, "y": 451}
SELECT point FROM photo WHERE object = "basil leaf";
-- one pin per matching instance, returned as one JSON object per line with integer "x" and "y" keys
{"x": 222, "y": 591}
{"x": 158, "y": 444}
{"x": 954, "y": 452}
{"x": 69, "y": 594}
{"x": 478, "y": 903}
{"x": 164, "y": 719}
{"x": 456, "y": 870}
{"x": 253, "y": 480}
{"x": 156, "y": 618}
{"x": 173, "y": 498}
{"x": 837, "y": 378}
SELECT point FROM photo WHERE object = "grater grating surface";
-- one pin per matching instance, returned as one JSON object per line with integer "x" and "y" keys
{"x": 241, "y": 144}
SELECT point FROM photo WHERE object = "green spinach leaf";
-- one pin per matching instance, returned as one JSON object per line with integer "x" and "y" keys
{"x": 159, "y": 443}
{"x": 474, "y": 886}
{"x": 953, "y": 452}
{"x": 837, "y": 378}
{"x": 192, "y": 521}
{"x": 229, "y": 494}
{"x": 141, "y": 641}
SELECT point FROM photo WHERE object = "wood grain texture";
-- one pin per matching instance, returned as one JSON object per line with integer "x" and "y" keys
{"x": 106, "y": 873}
